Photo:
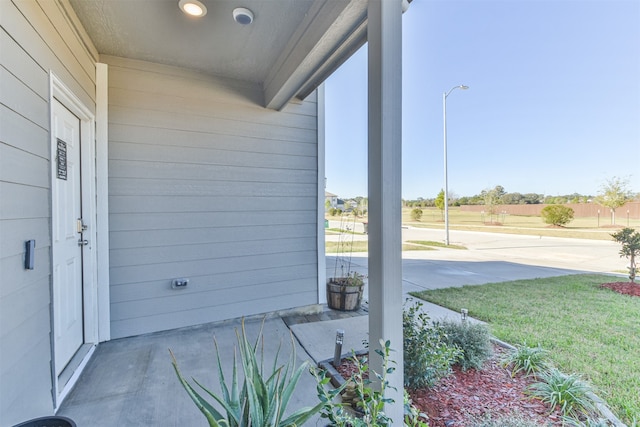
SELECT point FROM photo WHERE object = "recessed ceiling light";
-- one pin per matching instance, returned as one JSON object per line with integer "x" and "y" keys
{"x": 193, "y": 8}
{"x": 242, "y": 15}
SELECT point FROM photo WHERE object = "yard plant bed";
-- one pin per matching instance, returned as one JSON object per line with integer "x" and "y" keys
{"x": 464, "y": 396}
{"x": 624, "y": 288}
{"x": 587, "y": 328}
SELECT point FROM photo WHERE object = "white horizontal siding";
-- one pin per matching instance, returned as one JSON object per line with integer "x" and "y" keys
{"x": 206, "y": 184}
{"x": 245, "y": 305}
{"x": 36, "y": 37}
{"x": 191, "y": 139}
{"x": 178, "y": 236}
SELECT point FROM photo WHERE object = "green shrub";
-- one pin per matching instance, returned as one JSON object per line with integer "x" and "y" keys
{"x": 412, "y": 416}
{"x": 568, "y": 393}
{"x": 427, "y": 354}
{"x": 557, "y": 215}
{"x": 368, "y": 401}
{"x": 473, "y": 339}
{"x": 416, "y": 214}
{"x": 630, "y": 240}
{"x": 528, "y": 360}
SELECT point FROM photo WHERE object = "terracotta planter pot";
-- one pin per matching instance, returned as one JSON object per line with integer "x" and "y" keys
{"x": 343, "y": 297}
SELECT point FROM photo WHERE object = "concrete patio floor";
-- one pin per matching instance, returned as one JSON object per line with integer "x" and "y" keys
{"x": 131, "y": 382}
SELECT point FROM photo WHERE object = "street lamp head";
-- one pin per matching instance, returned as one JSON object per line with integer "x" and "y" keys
{"x": 463, "y": 87}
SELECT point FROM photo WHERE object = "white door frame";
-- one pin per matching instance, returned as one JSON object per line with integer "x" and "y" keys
{"x": 94, "y": 306}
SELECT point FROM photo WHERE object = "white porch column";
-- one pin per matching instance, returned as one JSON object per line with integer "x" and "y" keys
{"x": 385, "y": 164}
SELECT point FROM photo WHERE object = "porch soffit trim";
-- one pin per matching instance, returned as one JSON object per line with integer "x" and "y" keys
{"x": 329, "y": 34}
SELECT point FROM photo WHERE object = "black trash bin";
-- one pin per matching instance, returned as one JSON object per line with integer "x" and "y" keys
{"x": 54, "y": 421}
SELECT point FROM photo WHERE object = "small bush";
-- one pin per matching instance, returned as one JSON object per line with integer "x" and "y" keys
{"x": 427, "y": 355}
{"x": 557, "y": 215}
{"x": 473, "y": 339}
{"x": 567, "y": 392}
{"x": 630, "y": 240}
{"x": 416, "y": 214}
{"x": 528, "y": 360}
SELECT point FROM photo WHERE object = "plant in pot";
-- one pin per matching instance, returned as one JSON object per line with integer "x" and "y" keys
{"x": 345, "y": 288}
{"x": 345, "y": 293}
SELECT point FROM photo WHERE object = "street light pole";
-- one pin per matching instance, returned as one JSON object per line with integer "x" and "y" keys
{"x": 446, "y": 176}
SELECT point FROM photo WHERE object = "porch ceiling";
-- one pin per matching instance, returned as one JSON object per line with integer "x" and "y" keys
{"x": 290, "y": 48}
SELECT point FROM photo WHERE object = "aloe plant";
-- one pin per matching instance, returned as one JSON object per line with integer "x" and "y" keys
{"x": 262, "y": 399}
{"x": 567, "y": 392}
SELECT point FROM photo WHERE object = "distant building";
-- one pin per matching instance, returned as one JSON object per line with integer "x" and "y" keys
{"x": 332, "y": 199}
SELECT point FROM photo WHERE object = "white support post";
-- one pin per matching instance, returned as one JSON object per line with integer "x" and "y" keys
{"x": 322, "y": 259}
{"x": 102, "y": 178}
{"x": 385, "y": 174}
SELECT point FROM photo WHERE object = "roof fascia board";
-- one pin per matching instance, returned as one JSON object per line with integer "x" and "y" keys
{"x": 338, "y": 57}
{"x": 328, "y": 25}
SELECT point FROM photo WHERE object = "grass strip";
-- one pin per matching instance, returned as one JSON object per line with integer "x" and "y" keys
{"x": 341, "y": 231}
{"x": 362, "y": 246}
{"x": 436, "y": 244}
{"x": 587, "y": 329}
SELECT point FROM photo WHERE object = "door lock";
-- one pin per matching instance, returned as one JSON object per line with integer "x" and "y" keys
{"x": 83, "y": 242}
{"x": 80, "y": 226}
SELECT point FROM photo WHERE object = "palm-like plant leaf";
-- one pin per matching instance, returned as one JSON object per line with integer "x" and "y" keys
{"x": 212, "y": 415}
{"x": 263, "y": 398}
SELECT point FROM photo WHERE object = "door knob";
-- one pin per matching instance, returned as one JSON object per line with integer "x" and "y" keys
{"x": 83, "y": 242}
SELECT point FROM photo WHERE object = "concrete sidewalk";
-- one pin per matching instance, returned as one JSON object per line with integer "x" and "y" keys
{"x": 318, "y": 338}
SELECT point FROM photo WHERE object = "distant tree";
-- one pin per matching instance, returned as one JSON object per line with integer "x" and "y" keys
{"x": 463, "y": 201}
{"x": 557, "y": 215}
{"x": 453, "y": 198}
{"x": 363, "y": 205}
{"x": 491, "y": 198}
{"x": 439, "y": 202}
{"x": 532, "y": 198}
{"x": 630, "y": 240}
{"x": 614, "y": 194}
{"x": 416, "y": 214}
{"x": 513, "y": 199}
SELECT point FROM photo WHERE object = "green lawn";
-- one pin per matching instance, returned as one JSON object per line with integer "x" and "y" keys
{"x": 588, "y": 329}
{"x": 437, "y": 244}
{"x": 363, "y": 246}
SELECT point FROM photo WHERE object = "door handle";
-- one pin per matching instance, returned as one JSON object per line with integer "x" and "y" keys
{"x": 83, "y": 242}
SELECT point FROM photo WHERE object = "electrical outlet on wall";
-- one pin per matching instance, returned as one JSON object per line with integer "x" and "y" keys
{"x": 179, "y": 283}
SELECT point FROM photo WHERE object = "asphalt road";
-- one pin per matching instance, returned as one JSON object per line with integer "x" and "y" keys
{"x": 490, "y": 257}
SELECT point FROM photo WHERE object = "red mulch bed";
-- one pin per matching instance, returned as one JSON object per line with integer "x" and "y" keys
{"x": 625, "y": 288}
{"x": 472, "y": 394}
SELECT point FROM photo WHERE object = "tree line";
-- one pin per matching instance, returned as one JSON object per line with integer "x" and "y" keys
{"x": 501, "y": 197}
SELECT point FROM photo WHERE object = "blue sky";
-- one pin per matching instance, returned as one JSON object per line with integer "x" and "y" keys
{"x": 553, "y": 105}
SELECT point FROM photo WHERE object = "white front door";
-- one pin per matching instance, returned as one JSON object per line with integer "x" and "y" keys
{"x": 68, "y": 316}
